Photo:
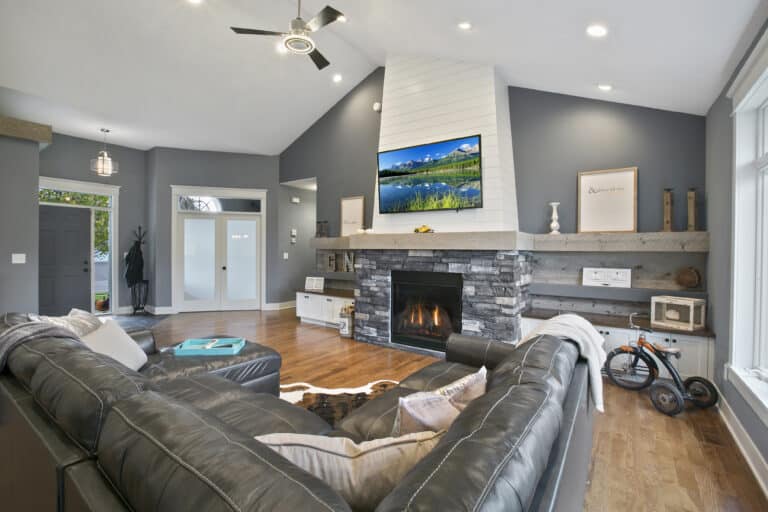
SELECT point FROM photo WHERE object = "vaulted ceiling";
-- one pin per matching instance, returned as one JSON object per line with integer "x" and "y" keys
{"x": 170, "y": 73}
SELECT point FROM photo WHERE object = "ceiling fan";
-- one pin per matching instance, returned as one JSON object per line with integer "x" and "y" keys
{"x": 297, "y": 39}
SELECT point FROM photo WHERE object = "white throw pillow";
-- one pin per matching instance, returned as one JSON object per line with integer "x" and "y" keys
{"x": 362, "y": 473}
{"x": 111, "y": 340}
{"x": 436, "y": 410}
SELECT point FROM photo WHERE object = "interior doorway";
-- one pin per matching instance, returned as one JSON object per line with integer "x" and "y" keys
{"x": 218, "y": 249}
{"x": 78, "y": 234}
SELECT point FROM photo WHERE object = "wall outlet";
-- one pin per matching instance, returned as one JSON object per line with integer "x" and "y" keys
{"x": 607, "y": 277}
{"x": 18, "y": 258}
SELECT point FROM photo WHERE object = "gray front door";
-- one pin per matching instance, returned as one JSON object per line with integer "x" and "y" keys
{"x": 65, "y": 259}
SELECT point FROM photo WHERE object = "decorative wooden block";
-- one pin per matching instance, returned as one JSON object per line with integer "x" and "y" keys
{"x": 691, "y": 210}
{"x": 667, "y": 210}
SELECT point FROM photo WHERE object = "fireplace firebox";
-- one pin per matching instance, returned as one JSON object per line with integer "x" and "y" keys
{"x": 426, "y": 308}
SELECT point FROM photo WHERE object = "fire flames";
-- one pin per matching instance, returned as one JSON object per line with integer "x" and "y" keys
{"x": 425, "y": 320}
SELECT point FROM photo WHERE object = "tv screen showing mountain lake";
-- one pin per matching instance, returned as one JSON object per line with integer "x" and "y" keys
{"x": 439, "y": 176}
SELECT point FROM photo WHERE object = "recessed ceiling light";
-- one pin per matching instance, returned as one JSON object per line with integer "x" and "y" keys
{"x": 195, "y": 2}
{"x": 337, "y": 78}
{"x": 605, "y": 87}
{"x": 597, "y": 31}
{"x": 341, "y": 18}
{"x": 281, "y": 49}
{"x": 465, "y": 25}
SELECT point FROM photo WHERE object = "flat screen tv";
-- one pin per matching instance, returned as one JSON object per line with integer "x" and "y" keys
{"x": 444, "y": 175}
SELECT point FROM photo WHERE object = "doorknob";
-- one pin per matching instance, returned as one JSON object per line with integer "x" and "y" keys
{"x": 224, "y": 267}
{"x": 85, "y": 270}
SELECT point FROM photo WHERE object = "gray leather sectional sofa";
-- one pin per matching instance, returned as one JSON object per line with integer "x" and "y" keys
{"x": 80, "y": 432}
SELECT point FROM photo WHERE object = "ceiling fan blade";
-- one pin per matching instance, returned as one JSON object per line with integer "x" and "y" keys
{"x": 253, "y": 31}
{"x": 317, "y": 57}
{"x": 323, "y": 18}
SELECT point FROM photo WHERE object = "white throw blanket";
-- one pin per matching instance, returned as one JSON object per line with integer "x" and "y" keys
{"x": 590, "y": 343}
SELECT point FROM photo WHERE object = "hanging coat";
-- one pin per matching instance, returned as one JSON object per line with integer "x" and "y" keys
{"x": 134, "y": 265}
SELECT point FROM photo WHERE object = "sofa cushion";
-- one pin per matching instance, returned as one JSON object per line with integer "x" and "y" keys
{"x": 73, "y": 384}
{"x": 375, "y": 419}
{"x": 252, "y": 362}
{"x": 363, "y": 473}
{"x": 199, "y": 463}
{"x": 437, "y": 375}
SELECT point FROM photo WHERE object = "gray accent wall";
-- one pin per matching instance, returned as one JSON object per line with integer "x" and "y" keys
{"x": 340, "y": 151}
{"x": 719, "y": 175}
{"x": 301, "y": 257}
{"x": 555, "y": 136}
{"x": 168, "y": 167}
{"x": 69, "y": 157}
{"x": 19, "y": 221}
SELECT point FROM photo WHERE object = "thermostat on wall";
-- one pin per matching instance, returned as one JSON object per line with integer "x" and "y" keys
{"x": 607, "y": 277}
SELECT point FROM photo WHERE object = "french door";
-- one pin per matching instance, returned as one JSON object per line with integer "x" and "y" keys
{"x": 220, "y": 261}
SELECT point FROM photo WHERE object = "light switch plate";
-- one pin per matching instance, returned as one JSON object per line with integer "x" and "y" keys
{"x": 18, "y": 258}
{"x": 607, "y": 277}
{"x": 296, "y": 200}
{"x": 285, "y": 255}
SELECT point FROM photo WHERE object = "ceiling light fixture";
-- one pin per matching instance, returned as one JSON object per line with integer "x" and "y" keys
{"x": 337, "y": 78}
{"x": 103, "y": 165}
{"x": 465, "y": 25}
{"x": 281, "y": 49}
{"x": 341, "y": 19}
{"x": 195, "y": 2}
{"x": 605, "y": 87}
{"x": 597, "y": 31}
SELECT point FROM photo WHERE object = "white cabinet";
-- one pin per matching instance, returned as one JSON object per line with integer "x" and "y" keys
{"x": 320, "y": 309}
{"x": 697, "y": 353}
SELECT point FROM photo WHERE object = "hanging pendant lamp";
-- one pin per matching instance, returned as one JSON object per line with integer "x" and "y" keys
{"x": 103, "y": 165}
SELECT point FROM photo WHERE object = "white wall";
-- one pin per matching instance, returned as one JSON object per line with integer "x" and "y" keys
{"x": 427, "y": 100}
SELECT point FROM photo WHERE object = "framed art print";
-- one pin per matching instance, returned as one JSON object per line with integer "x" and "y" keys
{"x": 352, "y": 214}
{"x": 608, "y": 201}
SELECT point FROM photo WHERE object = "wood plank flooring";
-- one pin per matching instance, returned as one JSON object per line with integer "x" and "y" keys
{"x": 641, "y": 460}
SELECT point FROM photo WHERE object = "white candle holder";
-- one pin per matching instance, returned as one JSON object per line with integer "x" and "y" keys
{"x": 554, "y": 225}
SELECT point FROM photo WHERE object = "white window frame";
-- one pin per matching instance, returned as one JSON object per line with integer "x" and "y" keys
{"x": 101, "y": 189}
{"x": 747, "y": 368}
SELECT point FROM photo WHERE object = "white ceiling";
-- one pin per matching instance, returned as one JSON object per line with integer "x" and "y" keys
{"x": 168, "y": 73}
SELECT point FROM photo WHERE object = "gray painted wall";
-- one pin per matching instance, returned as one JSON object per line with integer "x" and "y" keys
{"x": 719, "y": 175}
{"x": 301, "y": 257}
{"x": 168, "y": 167}
{"x": 340, "y": 150}
{"x": 19, "y": 221}
{"x": 555, "y": 136}
{"x": 70, "y": 157}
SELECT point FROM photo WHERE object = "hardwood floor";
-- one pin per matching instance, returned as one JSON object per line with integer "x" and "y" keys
{"x": 641, "y": 459}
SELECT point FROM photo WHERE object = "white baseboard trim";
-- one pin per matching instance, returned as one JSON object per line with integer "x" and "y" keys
{"x": 753, "y": 456}
{"x": 123, "y": 310}
{"x": 161, "y": 310}
{"x": 276, "y": 306}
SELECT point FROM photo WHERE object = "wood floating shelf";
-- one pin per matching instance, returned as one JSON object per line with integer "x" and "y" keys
{"x": 684, "y": 241}
{"x": 336, "y": 276}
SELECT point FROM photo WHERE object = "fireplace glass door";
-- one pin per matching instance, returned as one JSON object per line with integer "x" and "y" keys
{"x": 426, "y": 308}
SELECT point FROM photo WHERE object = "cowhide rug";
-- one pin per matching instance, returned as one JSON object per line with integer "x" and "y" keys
{"x": 333, "y": 404}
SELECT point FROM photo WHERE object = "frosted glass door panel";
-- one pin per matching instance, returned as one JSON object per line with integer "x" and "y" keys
{"x": 199, "y": 259}
{"x": 242, "y": 260}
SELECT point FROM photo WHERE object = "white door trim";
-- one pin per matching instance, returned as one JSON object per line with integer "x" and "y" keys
{"x": 103, "y": 189}
{"x": 227, "y": 192}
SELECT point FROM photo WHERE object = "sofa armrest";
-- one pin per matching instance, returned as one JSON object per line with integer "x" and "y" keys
{"x": 476, "y": 351}
{"x": 145, "y": 340}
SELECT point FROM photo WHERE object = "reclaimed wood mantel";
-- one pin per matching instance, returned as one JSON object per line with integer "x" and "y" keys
{"x": 685, "y": 241}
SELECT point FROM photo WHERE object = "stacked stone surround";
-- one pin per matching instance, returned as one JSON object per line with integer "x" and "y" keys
{"x": 495, "y": 289}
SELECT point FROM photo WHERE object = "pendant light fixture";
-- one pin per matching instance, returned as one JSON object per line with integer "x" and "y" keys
{"x": 103, "y": 165}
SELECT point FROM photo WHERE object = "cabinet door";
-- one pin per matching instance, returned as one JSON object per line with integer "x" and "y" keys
{"x": 331, "y": 307}
{"x": 695, "y": 356}
{"x": 309, "y": 305}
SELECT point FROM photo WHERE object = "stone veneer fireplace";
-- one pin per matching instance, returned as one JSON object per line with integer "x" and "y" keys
{"x": 494, "y": 292}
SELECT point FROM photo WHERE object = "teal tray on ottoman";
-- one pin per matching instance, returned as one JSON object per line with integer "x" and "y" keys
{"x": 256, "y": 367}
{"x": 210, "y": 347}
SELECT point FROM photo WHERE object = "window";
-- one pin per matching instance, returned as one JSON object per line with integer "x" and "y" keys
{"x": 208, "y": 204}
{"x": 761, "y": 289}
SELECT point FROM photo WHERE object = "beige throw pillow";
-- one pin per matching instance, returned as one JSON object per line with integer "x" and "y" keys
{"x": 78, "y": 321}
{"x": 436, "y": 410}
{"x": 363, "y": 473}
{"x": 111, "y": 340}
